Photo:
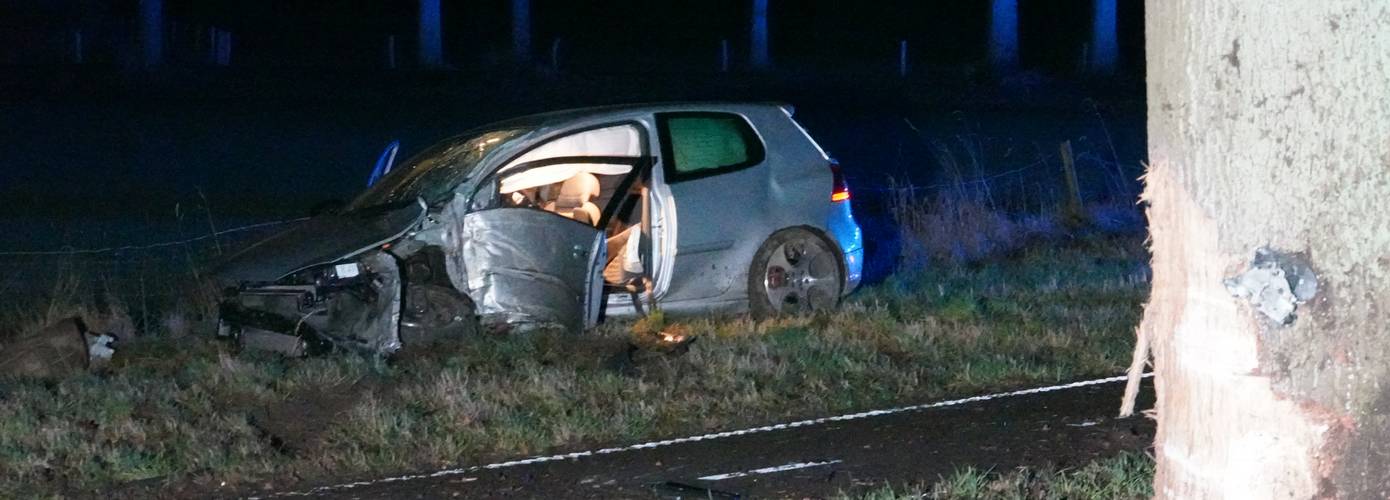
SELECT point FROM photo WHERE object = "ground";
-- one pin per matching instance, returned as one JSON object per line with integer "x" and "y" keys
{"x": 988, "y": 291}
{"x": 1067, "y": 428}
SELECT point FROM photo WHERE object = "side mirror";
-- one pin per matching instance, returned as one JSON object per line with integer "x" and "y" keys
{"x": 384, "y": 162}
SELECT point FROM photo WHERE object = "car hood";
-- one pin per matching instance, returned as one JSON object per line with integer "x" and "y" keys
{"x": 320, "y": 240}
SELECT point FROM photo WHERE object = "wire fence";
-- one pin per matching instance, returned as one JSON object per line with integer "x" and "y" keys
{"x": 141, "y": 277}
{"x": 147, "y": 276}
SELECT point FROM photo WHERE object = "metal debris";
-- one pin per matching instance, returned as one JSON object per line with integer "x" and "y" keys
{"x": 1275, "y": 284}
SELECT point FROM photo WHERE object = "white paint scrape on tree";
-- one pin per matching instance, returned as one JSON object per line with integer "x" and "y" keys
{"x": 1269, "y": 128}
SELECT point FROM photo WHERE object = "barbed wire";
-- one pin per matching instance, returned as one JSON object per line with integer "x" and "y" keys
{"x": 128, "y": 248}
{"x": 871, "y": 188}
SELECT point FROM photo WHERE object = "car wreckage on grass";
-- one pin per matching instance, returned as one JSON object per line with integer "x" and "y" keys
{"x": 555, "y": 220}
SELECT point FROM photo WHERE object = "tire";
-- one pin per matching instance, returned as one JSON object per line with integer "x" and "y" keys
{"x": 433, "y": 313}
{"x": 794, "y": 272}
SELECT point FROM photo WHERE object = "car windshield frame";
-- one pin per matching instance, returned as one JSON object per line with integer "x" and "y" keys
{"x": 433, "y": 174}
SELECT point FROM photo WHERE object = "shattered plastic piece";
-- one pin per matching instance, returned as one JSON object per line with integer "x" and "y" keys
{"x": 1275, "y": 284}
{"x": 99, "y": 347}
{"x": 348, "y": 270}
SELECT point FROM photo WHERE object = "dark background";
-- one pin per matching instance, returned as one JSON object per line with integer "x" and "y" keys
{"x": 603, "y": 35}
{"x": 109, "y": 152}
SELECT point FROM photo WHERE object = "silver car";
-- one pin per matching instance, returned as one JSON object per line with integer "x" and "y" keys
{"x": 556, "y": 220}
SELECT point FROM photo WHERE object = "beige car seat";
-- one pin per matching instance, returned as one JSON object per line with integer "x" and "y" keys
{"x": 576, "y": 199}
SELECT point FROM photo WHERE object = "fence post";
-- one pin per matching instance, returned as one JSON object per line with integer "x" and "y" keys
{"x": 1072, "y": 213}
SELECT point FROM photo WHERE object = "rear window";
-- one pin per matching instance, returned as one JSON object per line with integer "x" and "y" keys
{"x": 702, "y": 144}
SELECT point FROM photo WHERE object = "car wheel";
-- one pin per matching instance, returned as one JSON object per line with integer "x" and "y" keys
{"x": 432, "y": 313}
{"x": 795, "y": 272}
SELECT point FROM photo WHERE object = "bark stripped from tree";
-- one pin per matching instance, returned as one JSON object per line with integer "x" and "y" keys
{"x": 1269, "y": 126}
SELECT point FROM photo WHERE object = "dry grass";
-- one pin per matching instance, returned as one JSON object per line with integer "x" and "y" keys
{"x": 191, "y": 411}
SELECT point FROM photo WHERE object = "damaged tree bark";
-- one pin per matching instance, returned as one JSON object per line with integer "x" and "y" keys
{"x": 1269, "y": 128}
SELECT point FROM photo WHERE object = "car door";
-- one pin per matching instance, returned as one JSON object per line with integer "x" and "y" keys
{"x": 710, "y": 168}
{"x": 529, "y": 264}
{"x": 529, "y": 268}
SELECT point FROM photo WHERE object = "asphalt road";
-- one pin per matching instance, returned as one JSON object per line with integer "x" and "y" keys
{"x": 1066, "y": 427}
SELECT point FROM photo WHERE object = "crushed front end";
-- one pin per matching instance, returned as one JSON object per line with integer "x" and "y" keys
{"x": 353, "y": 304}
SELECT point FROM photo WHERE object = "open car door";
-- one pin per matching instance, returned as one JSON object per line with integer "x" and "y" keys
{"x": 535, "y": 244}
{"x": 529, "y": 268}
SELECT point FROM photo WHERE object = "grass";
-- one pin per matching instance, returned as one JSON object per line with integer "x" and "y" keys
{"x": 1126, "y": 476}
{"x": 192, "y": 413}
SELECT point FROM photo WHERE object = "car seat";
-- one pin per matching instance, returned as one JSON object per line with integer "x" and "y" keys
{"x": 576, "y": 199}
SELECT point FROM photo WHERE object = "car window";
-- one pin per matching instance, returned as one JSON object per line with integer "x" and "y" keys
{"x": 701, "y": 144}
{"x": 435, "y": 172}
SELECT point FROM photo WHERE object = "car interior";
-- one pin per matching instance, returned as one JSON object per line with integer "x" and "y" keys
{"x": 581, "y": 191}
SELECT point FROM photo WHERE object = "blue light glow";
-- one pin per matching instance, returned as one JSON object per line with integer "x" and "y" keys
{"x": 1003, "y": 35}
{"x": 152, "y": 31}
{"x": 758, "y": 53}
{"x": 1105, "y": 50}
{"x": 521, "y": 29}
{"x": 431, "y": 36}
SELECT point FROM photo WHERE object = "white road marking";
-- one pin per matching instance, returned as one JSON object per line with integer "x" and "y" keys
{"x": 768, "y": 470}
{"x": 704, "y": 437}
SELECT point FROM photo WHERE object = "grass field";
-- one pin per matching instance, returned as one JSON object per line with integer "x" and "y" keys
{"x": 190, "y": 413}
{"x": 1128, "y": 476}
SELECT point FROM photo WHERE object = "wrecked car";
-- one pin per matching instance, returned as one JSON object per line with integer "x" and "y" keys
{"x": 555, "y": 220}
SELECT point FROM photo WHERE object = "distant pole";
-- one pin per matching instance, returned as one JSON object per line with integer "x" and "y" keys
{"x": 391, "y": 51}
{"x": 1104, "y": 49}
{"x": 224, "y": 48}
{"x": 77, "y": 46}
{"x": 1003, "y": 35}
{"x": 521, "y": 30}
{"x": 152, "y": 31}
{"x": 724, "y": 55}
{"x": 555, "y": 55}
{"x": 758, "y": 53}
{"x": 431, "y": 47}
{"x": 902, "y": 58}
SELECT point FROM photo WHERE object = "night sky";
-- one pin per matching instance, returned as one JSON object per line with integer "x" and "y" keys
{"x": 609, "y": 35}
{"x": 306, "y": 103}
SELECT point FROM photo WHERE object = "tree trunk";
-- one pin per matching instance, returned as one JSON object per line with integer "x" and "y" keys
{"x": 1105, "y": 47}
{"x": 1269, "y": 127}
{"x": 152, "y": 32}
{"x": 431, "y": 49}
{"x": 758, "y": 55}
{"x": 1003, "y": 35}
{"x": 521, "y": 30}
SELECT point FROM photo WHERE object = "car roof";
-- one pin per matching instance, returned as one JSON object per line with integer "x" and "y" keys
{"x": 561, "y": 117}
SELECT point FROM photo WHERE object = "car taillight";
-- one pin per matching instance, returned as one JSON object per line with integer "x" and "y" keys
{"x": 840, "y": 191}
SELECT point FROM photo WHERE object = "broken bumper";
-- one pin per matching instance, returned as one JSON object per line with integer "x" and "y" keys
{"x": 356, "y": 312}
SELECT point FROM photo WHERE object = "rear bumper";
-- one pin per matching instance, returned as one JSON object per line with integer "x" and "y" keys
{"x": 854, "y": 269}
{"x": 845, "y": 230}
